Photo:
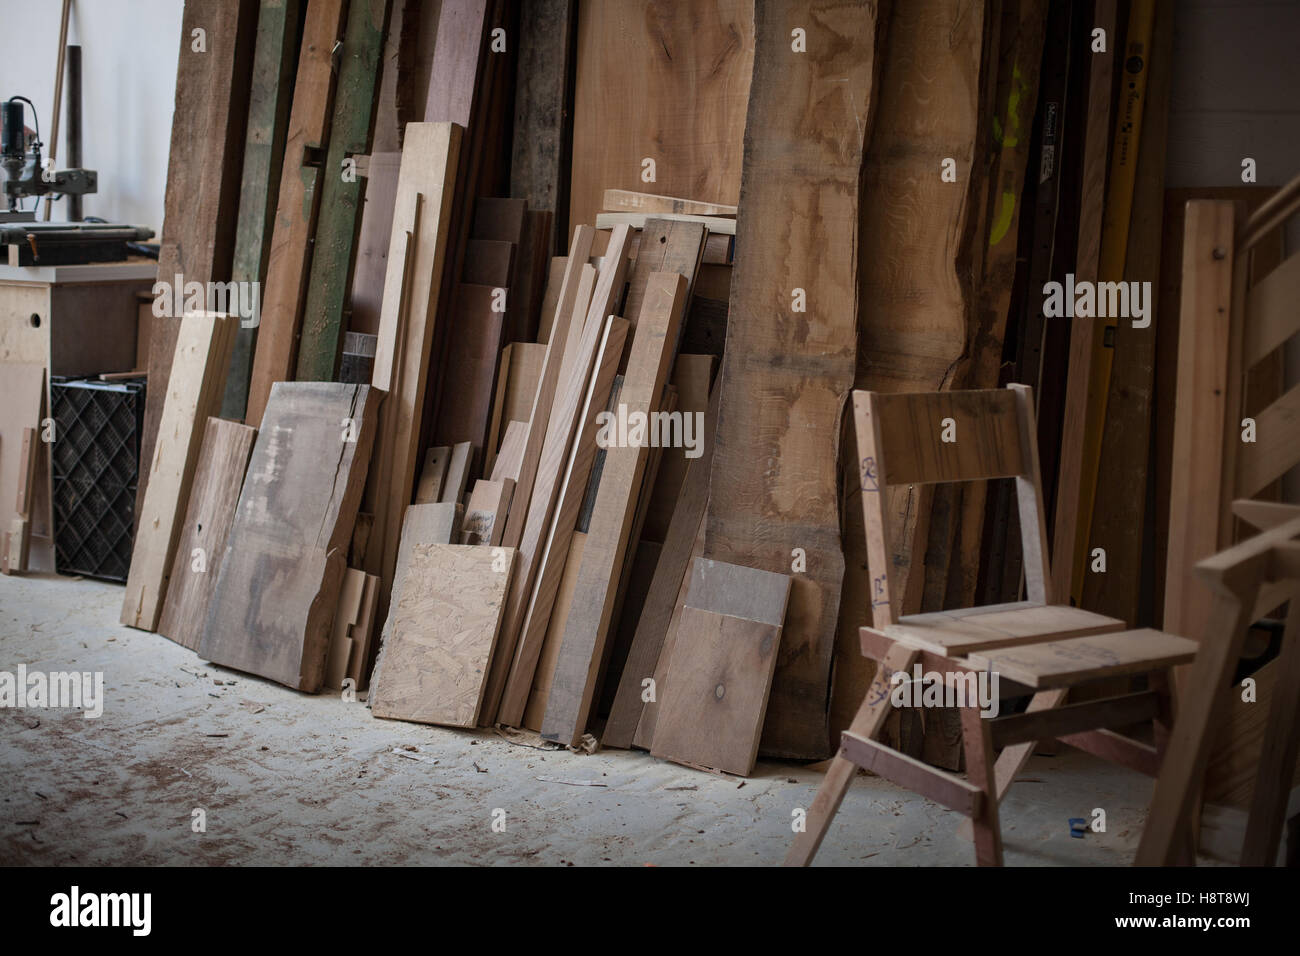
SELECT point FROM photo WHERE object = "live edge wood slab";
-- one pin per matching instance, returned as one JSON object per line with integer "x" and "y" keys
{"x": 786, "y": 377}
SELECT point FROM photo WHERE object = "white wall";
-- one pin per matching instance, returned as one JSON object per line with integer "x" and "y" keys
{"x": 128, "y": 84}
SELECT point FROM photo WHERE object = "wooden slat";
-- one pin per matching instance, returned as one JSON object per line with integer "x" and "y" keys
{"x": 363, "y": 632}
{"x": 1046, "y": 723}
{"x": 545, "y": 670}
{"x": 1068, "y": 662}
{"x": 555, "y": 554}
{"x": 947, "y": 634}
{"x": 1271, "y": 315}
{"x": 346, "y": 616}
{"x": 287, "y": 550}
{"x": 473, "y": 354}
{"x": 666, "y": 246}
{"x": 342, "y": 197}
{"x": 298, "y": 202}
{"x": 649, "y": 360}
{"x": 22, "y": 403}
{"x": 433, "y": 475}
{"x": 637, "y": 220}
{"x": 194, "y": 391}
{"x": 510, "y": 457}
{"x": 517, "y": 378}
{"x": 784, "y": 379}
{"x": 406, "y": 330}
{"x": 671, "y": 576}
{"x": 214, "y": 493}
{"x": 485, "y": 513}
{"x": 445, "y": 622}
{"x": 943, "y": 788}
{"x": 459, "y": 464}
{"x": 372, "y": 243}
{"x": 692, "y": 377}
{"x": 986, "y": 429}
{"x": 625, "y": 200}
{"x": 1276, "y": 447}
{"x": 202, "y": 196}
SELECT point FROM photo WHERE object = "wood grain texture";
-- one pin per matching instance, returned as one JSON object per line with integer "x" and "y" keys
{"x": 510, "y": 457}
{"x": 202, "y": 196}
{"x": 517, "y": 381}
{"x": 297, "y": 205}
{"x": 1055, "y": 664}
{"x": 22, "y": 400}
{"x": 555, "y": 553}
{"x": 214, "y": 494}
{"x": 785, "y": 374}
{"x": 545, "y": 670}
{"x": 649, "y": 360}
{"x": 287, "y": 550}
{"x": 445, "y": 623}
{"x": 664, "y": 80}
{"x": 194, "y": 392}
{"x": 485, "y": 512}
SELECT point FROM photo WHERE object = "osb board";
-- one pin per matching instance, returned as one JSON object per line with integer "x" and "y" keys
{"x": 287, "y": 550}
{"x": 785, "y": 378}
{"x": 666, "y": 80}
{"x": 446, "y": 618}
{"x": 214, "y": 494}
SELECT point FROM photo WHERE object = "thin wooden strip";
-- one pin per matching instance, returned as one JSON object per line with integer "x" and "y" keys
{"x": 287, "y": 550}
{"x": 458, "y": 468}
{"x": 195, "y": 389}
{"x": 510, "y": 457}
{"x": 555, "y": 554}
{"x": 218, "y": 479}
{"x": 625, "y": 200}
{"x": 1047, "y": 723}
{"x": 651, "y": 356}
{"x": 944, "y": 788}
{"x": 545, "y": 670}
{"x": 637, "y": 220}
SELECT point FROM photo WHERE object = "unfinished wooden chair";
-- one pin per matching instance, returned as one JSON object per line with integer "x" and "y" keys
{"x": 1036, "y": 647}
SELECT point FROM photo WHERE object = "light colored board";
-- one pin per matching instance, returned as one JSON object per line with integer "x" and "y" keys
{"x": 214, "y": 494}
{"x": 458, "y": 467}
{"x": 1276, "y": 448}
{"x": 297, "y": 206}
{"x": 667, "y": 246}
{"x": 1271, "y": 307}
{"x": 556, "y": 552}
{"x": 1056, "y": 664}
{"x": 566, "y": 318}
{"x": 446, "y": 618}
{"x": 347, "y": 615}
{"x": 510, "y": 457}
{"x": 286, "y": 553}
{"x": 520, "y": 371}
{"x": 625, "y": 200}
{"x": 784, "y": 380}
{"x": 951, "y": 635}
{"x": 195, "y": 387}
{"x": 485, "y": 513}
{"x": 407, "y": 325}
{"x": 17, "y": 540}
{"x": 692, "y": 377}
{"x": 22, "y": 398}
{"x": 719, "y": 677}
{"x": 637, "y": 220}
{"x": 433, "y": 475}
{"x": 545, "y": 670}
{"x": 666, "y": 81}
{"x": 551, "y": 298}
{"x": 672, "y": 575}
{"x": 658, "y": 325}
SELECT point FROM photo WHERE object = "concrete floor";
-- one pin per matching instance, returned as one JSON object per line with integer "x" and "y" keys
{"x": 285, "y": 778}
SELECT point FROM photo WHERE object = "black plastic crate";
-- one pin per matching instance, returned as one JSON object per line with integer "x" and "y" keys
{"x": 96, "y": 457}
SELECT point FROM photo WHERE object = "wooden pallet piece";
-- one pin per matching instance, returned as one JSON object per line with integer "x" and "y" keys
{"x": 485, "y": 513}
{"x": 433, "y": 475}
{"x": 274, "y": 54}
{"x": 667, "y": 83}
{"x": 214, "y": 494}
{"x": 564, "y": 319}
{"x": 406, "y": 331}
{"x": 286, "y": 553}
{"x": 194, "y": 392}
{"x": 299, "y": 199}
{"x": 625, "y": 200}
{"x": 718, "y": 683}
{"x": 649, "y": 361}
{"x": 445, "y": 624}
{"x": 342, "y": 196}
{"x": 202, "y": 196}
{"x": 555, "y": 553}
{"x": 784, "y": 378}
{"x": 517, "y": 380}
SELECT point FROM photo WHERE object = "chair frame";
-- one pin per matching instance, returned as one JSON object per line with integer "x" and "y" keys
{"x": 1005, "y": 448}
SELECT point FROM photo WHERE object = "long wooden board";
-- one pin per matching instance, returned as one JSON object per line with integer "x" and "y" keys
{"x": 299, "y": 200}
{"x": 214, "y": 494}
{"x": 445, "y": 624}
{"x": 786, "y": 373}
{"x": 194, "y": 391}
{"x": 287, "y": 550}
{"x": 649, "y": 361}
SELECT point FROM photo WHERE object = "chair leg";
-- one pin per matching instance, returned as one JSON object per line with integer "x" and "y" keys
{"x": 1277, "y": 756}
{"x": 867, "y": 723}
{"x": 978, "y": 744}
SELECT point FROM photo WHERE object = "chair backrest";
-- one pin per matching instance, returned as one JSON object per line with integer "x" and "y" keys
{"x": 939, "y": 437}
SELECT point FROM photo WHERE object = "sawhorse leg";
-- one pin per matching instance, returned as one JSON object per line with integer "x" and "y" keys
{"x": 978, "y": 744}
{"x": 870, "y": 718}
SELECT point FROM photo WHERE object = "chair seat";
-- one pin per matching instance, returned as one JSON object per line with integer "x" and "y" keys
{"x": 1056, "y": 664}
{"x": 962, "y": 632}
